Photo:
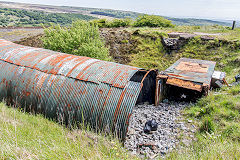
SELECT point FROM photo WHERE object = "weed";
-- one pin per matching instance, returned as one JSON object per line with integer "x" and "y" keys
{"x": 207, "y": 125}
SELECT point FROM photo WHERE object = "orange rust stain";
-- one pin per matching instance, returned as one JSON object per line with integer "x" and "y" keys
{"x": 27, "y": 94}
{"x": 118, "y": 72}
{"x": 53, "y": 71}
{"x": 58, "y": 59}
{"x": 175, "y": 75}
{"x": 25, "y": 57}
{"x": 129, "y": 115}
{"x": 41, "y": 81}
{"x": 184, "y": 84}
{"x": 81, "y": 73}
{"x": 5, "y": 49}
{"x": 119, "y": 105}
{"x": 14, "y": 52}
{"x": 105, "y": 102}
{"x": 34, "y": 66}
{"x": 192, "y": 67}
{"x": 4, "y": 44}
{"x": 66, "y": 60}
{"x": 4, "y": 80}
{"x": 81, "y": 61}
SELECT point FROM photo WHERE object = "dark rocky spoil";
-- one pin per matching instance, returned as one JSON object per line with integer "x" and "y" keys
{"x": 157, "y": 143}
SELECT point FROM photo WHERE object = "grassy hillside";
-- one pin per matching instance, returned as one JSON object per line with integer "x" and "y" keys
{"x": 26, "y": 136}
{"x": 216, "y": 116}
{"x": 150, "y": 53}
{"x": 17, "y": 17}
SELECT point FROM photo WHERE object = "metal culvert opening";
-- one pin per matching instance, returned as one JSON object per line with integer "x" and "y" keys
{"x": 148, "y": 80}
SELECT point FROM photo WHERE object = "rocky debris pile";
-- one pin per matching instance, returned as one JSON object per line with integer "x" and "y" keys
{"x": 171, "y": 43}
{"x": 177, "y": 40}
{"x": 164, "y": 139}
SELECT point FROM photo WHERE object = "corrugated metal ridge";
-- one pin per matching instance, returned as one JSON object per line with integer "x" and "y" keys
{"x": 72, "y": 66}
{"x": 68, "y": 99}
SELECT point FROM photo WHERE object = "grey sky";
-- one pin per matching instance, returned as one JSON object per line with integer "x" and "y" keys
{"x": 213, "y": 9}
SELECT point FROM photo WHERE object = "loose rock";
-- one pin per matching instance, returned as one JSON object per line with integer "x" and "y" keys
{"x": 163, "y": 140}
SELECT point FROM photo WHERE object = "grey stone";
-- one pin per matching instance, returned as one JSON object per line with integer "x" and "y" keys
{"x": 168, "y": 116}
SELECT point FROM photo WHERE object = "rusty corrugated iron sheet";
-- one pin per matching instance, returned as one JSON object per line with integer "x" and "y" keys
{"x": 190, "y": 73}
{"x": 67, "y": 87}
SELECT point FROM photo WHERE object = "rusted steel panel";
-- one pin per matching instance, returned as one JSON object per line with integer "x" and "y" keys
{"x": 192, "y": 70}
{"x": 68, "y": 88}
{"x": 184, "y": 84}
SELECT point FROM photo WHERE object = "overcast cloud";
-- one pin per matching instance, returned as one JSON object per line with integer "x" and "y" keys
{"x": 213, "y": 9}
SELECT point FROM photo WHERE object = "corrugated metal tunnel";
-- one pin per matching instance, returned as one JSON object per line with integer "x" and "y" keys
{"x": 72, "y": 88}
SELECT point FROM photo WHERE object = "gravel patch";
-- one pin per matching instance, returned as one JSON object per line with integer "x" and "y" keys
{"x": 165, "y": 139}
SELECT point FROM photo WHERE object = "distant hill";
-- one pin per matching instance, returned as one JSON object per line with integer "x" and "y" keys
{"x": 17, "y": 17}
{"x": 83, "y": 12}
{"x": 197, "y": 22}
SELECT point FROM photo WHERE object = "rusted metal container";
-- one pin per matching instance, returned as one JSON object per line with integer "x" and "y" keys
{"x": 192, "y": 74}
{"x": 72, "y": 88}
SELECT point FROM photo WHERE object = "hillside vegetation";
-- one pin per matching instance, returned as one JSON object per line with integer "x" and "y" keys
{"x": 82, "y": 39}
{"x": 16, "y": 17}
{"x": 140, "y": 21}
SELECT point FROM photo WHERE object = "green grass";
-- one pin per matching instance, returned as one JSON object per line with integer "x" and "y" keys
{"x": 218, "y": 119}
{"x": 150, "y": 54}
{"x": 26, "y": 136}
{"x": 220, "y": 31}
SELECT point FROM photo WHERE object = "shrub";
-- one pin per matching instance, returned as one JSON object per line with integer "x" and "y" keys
{"x": 152, "y": 21}
{"x": 119, "y": 23}
{"x": 82, "y": 39}
{"x": 104, "y": 23}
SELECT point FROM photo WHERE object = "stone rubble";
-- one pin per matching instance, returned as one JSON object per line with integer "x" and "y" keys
{"x": 165, "y": 139}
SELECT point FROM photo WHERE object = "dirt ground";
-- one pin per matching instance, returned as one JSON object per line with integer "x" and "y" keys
{"x": 16, "y": 34}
